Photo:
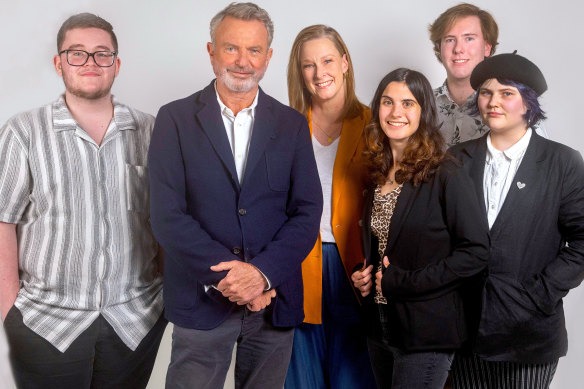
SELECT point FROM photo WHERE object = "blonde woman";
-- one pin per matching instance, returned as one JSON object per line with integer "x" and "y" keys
{"x": 329, "y": 347}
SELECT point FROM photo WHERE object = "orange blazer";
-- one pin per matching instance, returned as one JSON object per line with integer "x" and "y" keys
{"x": 349, "y": 183}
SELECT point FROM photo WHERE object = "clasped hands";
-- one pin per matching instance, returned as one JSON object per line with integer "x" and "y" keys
{"x": 362, "y": 279}
{"x": 244, "y": 284}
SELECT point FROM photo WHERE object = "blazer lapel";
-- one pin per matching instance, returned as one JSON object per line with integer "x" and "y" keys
{"x": 400, "y": 213}
{"x": 348, "y": 143}
{"x": 524, "y": 185}
{"x": 263, "y": 130}
{"x": 212, "y": 123}
{"x": 478, "y": 153}
{"x": 366, "y": 224}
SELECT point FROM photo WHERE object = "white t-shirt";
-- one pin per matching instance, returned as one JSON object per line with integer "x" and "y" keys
{"x": 325, "y": 162}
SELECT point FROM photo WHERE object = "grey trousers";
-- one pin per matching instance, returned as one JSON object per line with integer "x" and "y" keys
{"x": 475, "y": 373}
{"x": 201, "y": 358}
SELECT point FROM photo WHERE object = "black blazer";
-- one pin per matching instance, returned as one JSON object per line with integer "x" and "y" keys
{"x": 434, "y": 243}
{"x": 537, "y": 252}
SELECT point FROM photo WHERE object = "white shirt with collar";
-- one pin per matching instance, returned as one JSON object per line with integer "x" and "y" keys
{"x": 238, "y": 128}
{"x": 500, "y": 169}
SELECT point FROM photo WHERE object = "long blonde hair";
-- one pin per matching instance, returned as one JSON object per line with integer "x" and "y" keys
{"x": 298, "y": 95}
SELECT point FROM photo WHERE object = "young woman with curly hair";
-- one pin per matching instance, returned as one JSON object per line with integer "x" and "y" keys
{"x": 420, "y": 217}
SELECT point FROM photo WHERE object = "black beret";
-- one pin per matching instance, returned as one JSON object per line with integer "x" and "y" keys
{"x": 510, "y": 67}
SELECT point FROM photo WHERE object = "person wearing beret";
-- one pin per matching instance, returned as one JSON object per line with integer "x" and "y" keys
{"x": 463, "y": 36}
{"x": 532, "y": 192}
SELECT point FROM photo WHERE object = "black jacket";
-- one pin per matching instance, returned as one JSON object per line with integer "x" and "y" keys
{"x": 434, "y": 243}
{"x": 536, "y": 255}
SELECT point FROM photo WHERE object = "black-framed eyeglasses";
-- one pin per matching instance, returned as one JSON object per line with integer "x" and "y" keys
{"x": 103, "y": 59}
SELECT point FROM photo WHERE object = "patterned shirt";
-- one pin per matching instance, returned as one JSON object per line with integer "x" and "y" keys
{"x": 85, "y": 246}
{"x": 381, "y": 213}
{"x": 458, "y": 125}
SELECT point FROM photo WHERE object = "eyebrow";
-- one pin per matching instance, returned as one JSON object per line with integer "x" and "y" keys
{"x": 321, "y": 57}
{"x": 465, "y": 34}
{"x": 498, "y": 90}
{"x": 392, "y": 99}
{"x": 80, "y": 47}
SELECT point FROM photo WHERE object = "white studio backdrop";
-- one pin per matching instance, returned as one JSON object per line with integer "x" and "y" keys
{"x": 162, "y": 47}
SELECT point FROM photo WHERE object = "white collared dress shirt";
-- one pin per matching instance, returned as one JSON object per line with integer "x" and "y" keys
{"x": 239, "y": 128}
{"x": 500, "y": 169}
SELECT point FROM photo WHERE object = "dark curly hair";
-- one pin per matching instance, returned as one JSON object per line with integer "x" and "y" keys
{"x": 425, "y": 148}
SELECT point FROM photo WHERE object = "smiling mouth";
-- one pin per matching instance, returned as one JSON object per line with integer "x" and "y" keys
{"x": 396, "y": 124}
{"x": 460, "y": 61}
{"x": 324, "y": 84}
{"x": 241, "y": 72}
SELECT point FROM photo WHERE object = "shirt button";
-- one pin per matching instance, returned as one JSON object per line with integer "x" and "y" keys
{"x": 236, "y": 250}
{"x": 242, "y": 211}
{"x": 493, "y": 206}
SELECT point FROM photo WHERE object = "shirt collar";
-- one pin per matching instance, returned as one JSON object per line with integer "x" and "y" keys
{"x": 513, "y": 152}
{"x": 63, "y": 120}
{"x": 225, "y": 110}
{"x": 443, "y": 91}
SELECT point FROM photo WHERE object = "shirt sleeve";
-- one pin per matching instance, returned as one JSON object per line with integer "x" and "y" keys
{"x": 14, "y": 177}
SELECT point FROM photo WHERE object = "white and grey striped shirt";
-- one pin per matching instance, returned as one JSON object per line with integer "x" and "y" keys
{"x": 85, "y": 245}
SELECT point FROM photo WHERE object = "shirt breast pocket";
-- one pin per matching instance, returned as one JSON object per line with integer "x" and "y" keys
{"x": 137, "y": 195}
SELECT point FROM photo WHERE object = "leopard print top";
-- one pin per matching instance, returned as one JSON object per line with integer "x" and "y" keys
{"x": 381, "y": 213}
{"x": 383, "y": 206}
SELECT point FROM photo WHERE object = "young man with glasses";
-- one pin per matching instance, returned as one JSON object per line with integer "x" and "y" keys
{"x": 80, "y": 291}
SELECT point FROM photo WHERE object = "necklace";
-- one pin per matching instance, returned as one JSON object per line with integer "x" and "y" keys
{"x": 329, "y": 138}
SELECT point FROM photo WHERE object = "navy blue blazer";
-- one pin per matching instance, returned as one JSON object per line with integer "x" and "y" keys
{"x": 201, "y": 215}
{"x": 536, "y": 255}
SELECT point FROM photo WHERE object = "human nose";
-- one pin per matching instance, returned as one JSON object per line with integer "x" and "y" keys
{"x": 459, "y": 46}
{"x": 396, "y": 111}
{"x": 493, "y": 101}
{"x": 320, "y": 72}
{"x": 92, "y": 57}
{"x": 242, "y": 60}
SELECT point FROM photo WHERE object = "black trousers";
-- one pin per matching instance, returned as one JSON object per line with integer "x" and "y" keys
{"x": 97, "y": 358}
